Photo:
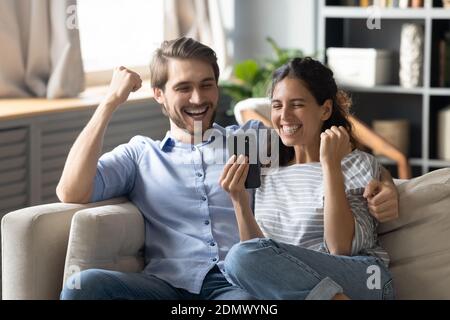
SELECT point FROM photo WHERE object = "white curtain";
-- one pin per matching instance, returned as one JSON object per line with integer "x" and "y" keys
{"x": 198, "y": 19}
{"x": 40, "y": 52}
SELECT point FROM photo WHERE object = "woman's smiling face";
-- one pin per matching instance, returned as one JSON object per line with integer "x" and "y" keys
{"x": 296, "y": 115}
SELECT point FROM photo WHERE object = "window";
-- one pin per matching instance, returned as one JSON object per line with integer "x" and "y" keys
{"x": 118, "y": 32}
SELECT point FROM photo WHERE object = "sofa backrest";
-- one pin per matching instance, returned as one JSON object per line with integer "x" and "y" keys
{"x": 419, "y": 241}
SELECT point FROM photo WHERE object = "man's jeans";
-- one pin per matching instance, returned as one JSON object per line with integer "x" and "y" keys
{"x": 96, "y": 284}
{"x": 270, "y": 270}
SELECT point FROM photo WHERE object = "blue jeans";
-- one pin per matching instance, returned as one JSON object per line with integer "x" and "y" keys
{"x": 97, "y": 284}
{"x": 270, "y": 270}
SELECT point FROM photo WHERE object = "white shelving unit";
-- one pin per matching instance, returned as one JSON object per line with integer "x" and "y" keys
{"x": 344, "y": 26}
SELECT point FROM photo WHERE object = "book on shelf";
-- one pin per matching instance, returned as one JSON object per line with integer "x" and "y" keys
{"x": 447, "y": 59}
{"x": 364, "y": 3}
{"x": 442, "y": 63}
{"x": 417, "y": 3}
{"x": 444, "y": 60}
{"x": 403, "y": 4}
{"x": 350, "y": 3}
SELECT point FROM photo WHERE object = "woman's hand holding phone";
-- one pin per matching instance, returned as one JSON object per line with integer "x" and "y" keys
{"x": 233, "y": 178}
{"x": 232, "y": 181}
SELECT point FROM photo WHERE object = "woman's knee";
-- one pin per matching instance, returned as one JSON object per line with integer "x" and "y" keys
{"x": 242, "y": 258}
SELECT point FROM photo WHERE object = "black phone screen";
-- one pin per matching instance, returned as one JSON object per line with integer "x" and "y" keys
{"x": 246, "y": 144}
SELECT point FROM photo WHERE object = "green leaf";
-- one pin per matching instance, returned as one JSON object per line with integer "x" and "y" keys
{"x": 253, "y": 78}
{"x": 246, "y": 71}
{"x": 236, "y": 92}
{"x": 274, "y": 46}
{"x": 293, "y": 53}
{"x": 260, "y": 90}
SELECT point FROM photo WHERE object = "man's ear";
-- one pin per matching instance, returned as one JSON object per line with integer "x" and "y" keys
{"x": 158, "y": 94}
{"x": 327, "y": 110}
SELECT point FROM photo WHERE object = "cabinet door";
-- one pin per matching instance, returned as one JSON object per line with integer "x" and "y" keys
{"x": 13, "y": 169}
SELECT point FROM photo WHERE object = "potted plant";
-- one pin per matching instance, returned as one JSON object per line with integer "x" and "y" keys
{"x": 252, "y": 78}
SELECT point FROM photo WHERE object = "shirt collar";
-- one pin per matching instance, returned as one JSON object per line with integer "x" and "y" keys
{"x": 169, "y": 142}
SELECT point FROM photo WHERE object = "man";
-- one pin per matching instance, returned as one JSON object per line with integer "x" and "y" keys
{"x": 189, "y": 220}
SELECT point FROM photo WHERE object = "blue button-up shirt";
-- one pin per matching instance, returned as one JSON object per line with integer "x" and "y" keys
{"x": 190, "y": 222}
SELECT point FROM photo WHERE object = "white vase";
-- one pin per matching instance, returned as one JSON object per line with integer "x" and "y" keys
{"x": 411, "y": 55}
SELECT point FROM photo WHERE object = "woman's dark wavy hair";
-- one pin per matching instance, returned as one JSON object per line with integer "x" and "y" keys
{"x": 320, "y": 82}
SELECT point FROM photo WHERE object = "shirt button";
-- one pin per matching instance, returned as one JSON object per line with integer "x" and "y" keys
{"x": 193, "y": 148}
{"x": 214, "y": 259}
{"x": 199, "y": 175}
{"x": 206, "y": 222}
{"x": 204, "y": 199}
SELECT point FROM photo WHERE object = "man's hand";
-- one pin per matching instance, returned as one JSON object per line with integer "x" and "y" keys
{"x": 382, "y": 199}
{"x": 124, "y": 81}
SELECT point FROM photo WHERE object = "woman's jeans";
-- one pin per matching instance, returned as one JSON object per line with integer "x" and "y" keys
{"x": 270, "y": 270}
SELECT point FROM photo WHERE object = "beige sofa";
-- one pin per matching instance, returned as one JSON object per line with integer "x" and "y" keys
{"x": 43, "y": 245}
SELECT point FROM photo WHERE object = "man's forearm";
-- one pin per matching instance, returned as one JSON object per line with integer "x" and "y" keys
{"x": 76, "y": 183}
{"x": 251, "y": 114}
{"x": 386, "y": 177}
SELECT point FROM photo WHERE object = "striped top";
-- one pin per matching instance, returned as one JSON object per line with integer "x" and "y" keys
{"x": 289, "y": 205}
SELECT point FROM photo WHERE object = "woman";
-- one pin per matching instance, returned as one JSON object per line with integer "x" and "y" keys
{"x": 312, "y": 236}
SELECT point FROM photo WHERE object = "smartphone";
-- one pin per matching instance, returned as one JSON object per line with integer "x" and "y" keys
{"x": 247, "y": 145}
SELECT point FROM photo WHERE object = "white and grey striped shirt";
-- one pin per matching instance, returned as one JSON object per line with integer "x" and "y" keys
{"x": 289, "y": 204}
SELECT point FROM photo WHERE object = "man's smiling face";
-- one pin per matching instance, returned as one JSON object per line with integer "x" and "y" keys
{"x": 191, "y": 94}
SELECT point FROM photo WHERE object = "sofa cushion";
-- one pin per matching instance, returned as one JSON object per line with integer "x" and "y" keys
{"x": 419, "y": 241}
{"x": 108, "y": 237}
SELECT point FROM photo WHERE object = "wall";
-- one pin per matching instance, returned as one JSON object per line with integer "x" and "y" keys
{"x": 292, "y": 23}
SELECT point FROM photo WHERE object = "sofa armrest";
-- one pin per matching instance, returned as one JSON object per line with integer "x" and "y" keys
{"x": 34, "y": 244}
{"x": 108, "y": 237}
